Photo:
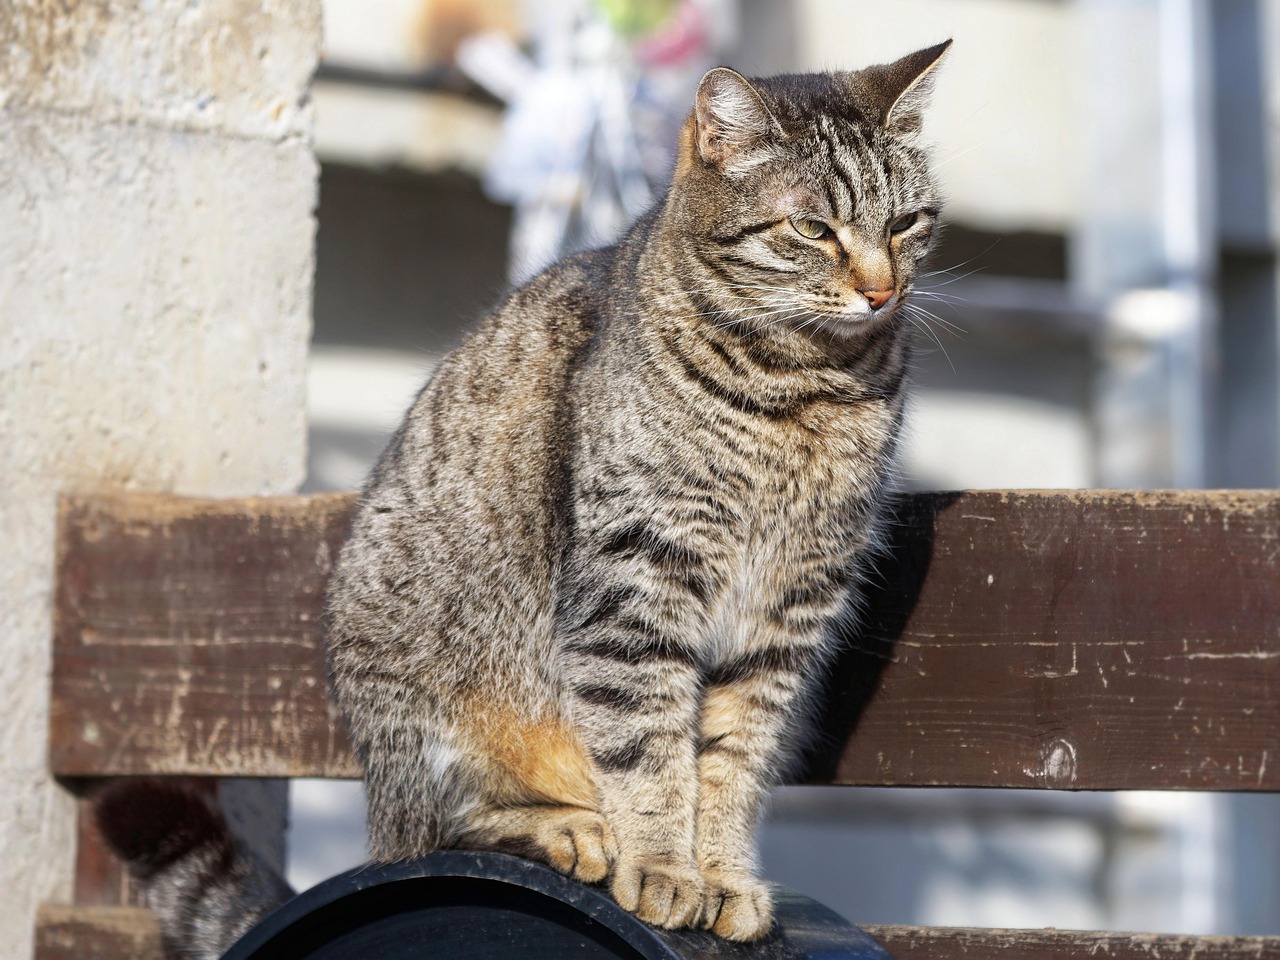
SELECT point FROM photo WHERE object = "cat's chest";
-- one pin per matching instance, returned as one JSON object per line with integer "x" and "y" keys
{"x": 799, "y": 500}
{"x": 807, "y": 467}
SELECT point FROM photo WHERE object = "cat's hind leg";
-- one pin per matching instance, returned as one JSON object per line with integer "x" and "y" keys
{"x": 540, "y": 799}
{"x": 572, "y": 840}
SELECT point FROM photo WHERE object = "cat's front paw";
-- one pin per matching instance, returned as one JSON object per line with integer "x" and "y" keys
{"x": 659, "y": 893}
{"x": 736, "y": 906}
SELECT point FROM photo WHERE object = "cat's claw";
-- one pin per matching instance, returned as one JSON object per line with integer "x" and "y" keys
{"x": 662, "y": 894}
{"x": 580, "y": 845}
{"x": 736, "y": 907}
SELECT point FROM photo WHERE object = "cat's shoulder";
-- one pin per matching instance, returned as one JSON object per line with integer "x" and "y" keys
{"x": 573, "y": 283}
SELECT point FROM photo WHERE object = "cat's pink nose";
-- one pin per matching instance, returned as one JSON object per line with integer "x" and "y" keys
{"x": 877, "y": 298}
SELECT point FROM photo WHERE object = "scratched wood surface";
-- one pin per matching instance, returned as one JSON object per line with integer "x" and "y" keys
{"x": 97, "y": 933}
{"x": 954, "y": 943}
{"x": 1075, "y": 640}
{"x": 187, "y": 637}
{"x": 130, "y": 933}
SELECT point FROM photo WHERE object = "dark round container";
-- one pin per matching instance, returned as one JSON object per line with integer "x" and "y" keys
{"x": 488, "y": 906}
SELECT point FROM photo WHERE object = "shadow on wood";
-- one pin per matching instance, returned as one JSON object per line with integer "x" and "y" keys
{"x": 893, "y": 586}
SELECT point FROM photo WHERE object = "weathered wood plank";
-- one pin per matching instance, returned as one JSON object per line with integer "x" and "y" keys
{"x": 187, "y": 637}
{"x": 101, "y": 879}
{"x": 130, "y": 933}
{"x": 97, "y": 933}
{"x": 958, "y": 943}
{"x": 1074, "y": 639}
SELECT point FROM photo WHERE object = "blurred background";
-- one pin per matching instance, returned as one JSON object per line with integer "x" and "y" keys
{"x": 1106, "y": 315}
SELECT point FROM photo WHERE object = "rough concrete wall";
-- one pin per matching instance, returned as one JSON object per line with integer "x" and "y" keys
{"x": 157, "y": 185}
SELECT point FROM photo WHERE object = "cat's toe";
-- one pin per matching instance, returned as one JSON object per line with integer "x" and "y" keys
{"x": 662, "y": 894}
{"x": 580, "y": 845}
{"x": 736, "y": 907}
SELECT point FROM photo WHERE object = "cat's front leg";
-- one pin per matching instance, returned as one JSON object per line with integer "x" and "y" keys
{"x": 747, "y": 722}
{"x": 634, "y": 689}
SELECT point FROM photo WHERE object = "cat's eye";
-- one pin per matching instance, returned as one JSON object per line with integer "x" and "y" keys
{"x": 813, "y": 229}
{"x": 904, "y": 222}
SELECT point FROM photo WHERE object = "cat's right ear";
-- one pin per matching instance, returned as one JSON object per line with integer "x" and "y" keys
{"x": 900, "y": 90}
{"x": 733, "y": 125}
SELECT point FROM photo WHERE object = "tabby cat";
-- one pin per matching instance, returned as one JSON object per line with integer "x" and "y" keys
{"x": 594, "y": 577}
{"x": 595, "y": 574}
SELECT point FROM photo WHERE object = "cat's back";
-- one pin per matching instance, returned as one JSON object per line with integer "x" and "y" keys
{"x": 472, "y": 484}
{"x": 495, "y": 401}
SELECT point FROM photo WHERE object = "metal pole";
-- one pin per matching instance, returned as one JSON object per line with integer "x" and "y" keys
{"x": 1188, "y": 233}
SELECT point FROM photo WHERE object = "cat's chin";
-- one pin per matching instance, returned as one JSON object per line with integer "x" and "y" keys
{"x": 854, "y": 324}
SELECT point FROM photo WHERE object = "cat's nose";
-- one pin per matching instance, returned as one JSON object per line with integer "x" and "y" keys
{"x": 877, "y": 298}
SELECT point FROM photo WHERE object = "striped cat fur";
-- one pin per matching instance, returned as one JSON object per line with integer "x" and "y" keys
{"x": 594, "y": 576}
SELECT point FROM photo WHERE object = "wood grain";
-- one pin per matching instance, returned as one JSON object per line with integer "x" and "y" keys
{"x": 1063, "y": 639}
{"x": 130, "y": 933}
{"x": 187, "y": 637}
{"x": 100, "y": 879}
{"x": 956, "y": 943}
{"x": 97, "y": 933}
{"x": 1073, "y": 640}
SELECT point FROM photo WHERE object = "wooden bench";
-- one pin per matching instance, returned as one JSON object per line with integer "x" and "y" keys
{"x": 1074, "y": 640}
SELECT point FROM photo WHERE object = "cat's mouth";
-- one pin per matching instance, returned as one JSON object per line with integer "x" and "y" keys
{"x": 830, "y": 314}
{"x": 860, "y": 316}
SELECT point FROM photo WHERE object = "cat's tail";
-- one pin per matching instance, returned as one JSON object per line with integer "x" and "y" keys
{"x": 204, "y": 884}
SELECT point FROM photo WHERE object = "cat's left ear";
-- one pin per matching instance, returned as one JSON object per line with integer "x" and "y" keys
{"x": 901, "y": 89}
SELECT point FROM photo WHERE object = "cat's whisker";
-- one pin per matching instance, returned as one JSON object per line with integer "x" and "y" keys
{"x": 790, "y": 291}
{"x": 755, "y": 303}
{"x": 936, "y": 295}
{"x": 933, "y": 336}
{"x": 952, "y": 328}
{"x": 794, "y": 314}
{"x": 962, "y": 276}
{"x": 709, "y": 287}
{"x": 976, "y": 146}
{"x": 748, "y": 286}
{"x": 745, "y": 316}
{"x": 956, "y": 331}
{"x": 940, "y": 304}
{"x": 963, "y": 263}
{"x": 732, "y": 316}
{"x": 919, "y": 318}
{"x": 771, "y": 308}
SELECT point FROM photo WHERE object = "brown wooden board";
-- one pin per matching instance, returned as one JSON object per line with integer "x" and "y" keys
{"x": 1071, "y": 639}
{"x": 100, "y": 879}
{"x": 130, "y": 933}
{"x": 97, "y": 933}
{"x": 957, "y": 943}
{"x": 187, "y": 637}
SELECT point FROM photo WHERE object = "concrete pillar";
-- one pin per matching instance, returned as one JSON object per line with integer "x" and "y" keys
{"x": 157, "y": 188}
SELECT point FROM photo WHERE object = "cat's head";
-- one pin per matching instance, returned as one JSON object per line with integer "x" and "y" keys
{"x": 807, "y": 197}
